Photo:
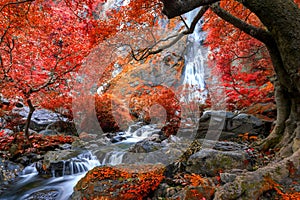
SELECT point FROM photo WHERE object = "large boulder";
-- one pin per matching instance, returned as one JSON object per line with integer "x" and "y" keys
{"x": 223, "y": 157}
{"x": 230, "y": 125}
{"x": 63, "y": 127}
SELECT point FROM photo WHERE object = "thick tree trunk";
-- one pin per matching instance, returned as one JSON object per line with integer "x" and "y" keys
{"x": 282, "y": 19}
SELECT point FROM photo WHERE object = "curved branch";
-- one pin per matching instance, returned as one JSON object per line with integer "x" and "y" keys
{"x": 258, "y": 33}
{"x": 151, "y": 50}
{"x": 174, "y": 8}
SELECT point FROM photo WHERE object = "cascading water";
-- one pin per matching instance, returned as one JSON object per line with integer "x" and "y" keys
{"x": 195, "y": 57}
{"x": 33, "y": 186}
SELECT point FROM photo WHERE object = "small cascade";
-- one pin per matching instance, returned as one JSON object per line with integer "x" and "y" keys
{"x": 195, "y": 57}
{"x": 30, "y": 169}
{"x": 82, "y": 163}
{"x": 137, "y": 132}
{"x": 31, "y": 185}
{"x": 113, "y": 158}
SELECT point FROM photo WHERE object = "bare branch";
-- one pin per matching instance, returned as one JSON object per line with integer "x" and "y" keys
{"x": 151, "y": 50}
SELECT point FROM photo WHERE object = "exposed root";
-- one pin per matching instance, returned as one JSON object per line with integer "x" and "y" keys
{"x": 251, "y": 185}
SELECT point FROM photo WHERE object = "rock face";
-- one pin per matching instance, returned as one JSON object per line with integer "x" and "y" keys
{"x": 210, "y": 162}
{"x": 234, "y": 124}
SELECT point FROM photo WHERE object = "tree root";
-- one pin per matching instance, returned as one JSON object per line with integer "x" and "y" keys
{"x": 251, "y": 185}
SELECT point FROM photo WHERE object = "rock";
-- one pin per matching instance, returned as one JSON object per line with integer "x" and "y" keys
{"x": 2, "y": 123}
{"x": 227, "y": 177}
{"x": 145, "y": 146}
{"x": 7, "y": 131}
{"x": 233, "y": 125}
{"x": 45, "y": 194}
{"x": 130, "y": 182}
{"x": 4, "y": 101}
{"x": 63, "y": 127}
{"x": 9, "y": 170}
{"x": 224, "y": 157}
{"x": 41, "y": 118}
{"x": 48, "y": 132}
{"x": 64, "y": 162}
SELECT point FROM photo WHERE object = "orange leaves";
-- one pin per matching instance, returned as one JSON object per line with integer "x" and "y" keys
{"x": 247, "y": 137}
{"x": 120, "y": 183}
{"x": 278, "y": 188}
{"x": 37, "y": 143}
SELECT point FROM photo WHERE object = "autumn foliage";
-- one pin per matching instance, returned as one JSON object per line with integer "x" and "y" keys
{"x": 114, "y": 183}
{"x": 16, "y": 144}
{"x": 241, "y": 61}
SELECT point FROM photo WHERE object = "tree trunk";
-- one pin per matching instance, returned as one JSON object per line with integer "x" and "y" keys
{"x": 282, "y": 19}
{"x": 28, "y": 120}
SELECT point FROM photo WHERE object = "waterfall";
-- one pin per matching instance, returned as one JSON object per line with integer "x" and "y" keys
{"x": 195, "y": 57}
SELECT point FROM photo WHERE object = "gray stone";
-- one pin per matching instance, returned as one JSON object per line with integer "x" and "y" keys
{"x": 227, "y": 177}
{"x": 229, "y": 125}
{"x": 63, "y": 127}
{"x": 210, "y": 162}
{"x": 48, "y": 132}
{"x": 41, "y": 118}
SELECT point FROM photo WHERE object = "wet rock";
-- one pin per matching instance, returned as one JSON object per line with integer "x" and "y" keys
{"x": 9, "y": 170}
{"x": 64, "y": 162}
{"x": 50, "y": 194}
{"x": 145, "y": 146}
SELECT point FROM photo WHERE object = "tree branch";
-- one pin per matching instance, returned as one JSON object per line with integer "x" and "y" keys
{"x": 174, "y": 8}
{"x": 258, "y": 33}
{"x": 150, "y": 50}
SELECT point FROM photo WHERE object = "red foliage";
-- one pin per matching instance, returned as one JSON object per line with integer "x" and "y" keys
{"x": 16, "y": 144}
{"x": 43, "y": 43}
{"x": 145, "y": 97}
{"x": 114, "y": 183}
{"x": 242, "y": 61}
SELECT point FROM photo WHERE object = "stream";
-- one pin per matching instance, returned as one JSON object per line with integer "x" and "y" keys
{"x": 30, "y": 185}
